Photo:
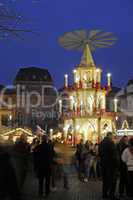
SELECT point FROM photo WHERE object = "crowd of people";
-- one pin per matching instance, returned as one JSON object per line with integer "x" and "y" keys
{"x": 14, "y": 159}
{"x": 116, "y": 160}
{"x": 87, "y": 162}
{"x": 17, "y": 158}
{"x": 108, "y": 161}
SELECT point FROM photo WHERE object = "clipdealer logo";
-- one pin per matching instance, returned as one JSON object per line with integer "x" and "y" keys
{"x": 46, "y": 98}
{"x": 28, "y": 98}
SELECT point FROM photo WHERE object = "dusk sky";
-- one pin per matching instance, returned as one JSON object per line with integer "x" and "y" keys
{"x": 51, "y": 18}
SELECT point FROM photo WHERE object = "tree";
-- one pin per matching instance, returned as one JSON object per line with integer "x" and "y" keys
{"x": 12, "y": 24}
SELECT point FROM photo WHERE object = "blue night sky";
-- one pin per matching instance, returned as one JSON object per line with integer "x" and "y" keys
{"x": 52, "y": 18}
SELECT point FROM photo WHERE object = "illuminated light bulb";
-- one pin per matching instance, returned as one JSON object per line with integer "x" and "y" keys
{"x": 66, "y": 80}
{"x": 74, "y": 76}
{"x": 109, "y": 79}
{"x": 98, "y": 75}
{"x": 115, "y": 105}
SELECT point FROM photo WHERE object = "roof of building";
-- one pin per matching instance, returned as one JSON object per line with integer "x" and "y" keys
{"x": 7, "y": 90}
{"x": 114, "y": 91}
{"x": 87, "y": 59}
{"x": 33, "y": 74}
{"x": 130, "y": 82}
{"x": 1, "y": 87}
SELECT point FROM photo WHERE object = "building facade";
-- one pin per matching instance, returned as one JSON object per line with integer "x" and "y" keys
{"x": 31, "y": 100}
{"x": 125, "y": 106}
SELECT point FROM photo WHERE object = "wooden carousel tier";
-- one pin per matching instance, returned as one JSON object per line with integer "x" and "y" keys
{"x": 68, "y": 115}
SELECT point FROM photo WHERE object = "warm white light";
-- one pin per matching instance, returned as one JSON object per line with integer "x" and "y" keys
{"x": 98, "y": 75}
{"x": 71, "y": 97}
{"x": 116, "y": 100}
{"x": 77, "y": 127}
{"x": 81, "y": 103}
{"x": 75, "y": 106}
{"x": 85, "y": 77}
{"x": 60, "y": 106}
{"x": 74, "y": 76}
{"x": 51, "y": 133}
{"x": 10, "y": 117}
{"x": 115, "y": 105}
{"x": 60, "y": 101}
{"x": 66, "y": 80}
{"x": 98, "y": 70}
{"x": 109, "y": 74}
{"x": 66, "y": 128}
{"x": 109, "y": 79}
{"x": 51, "y": 130}
{"x": 116, "y": 118}
{"x": 71, "y": 102}
{"x": 77, "y": 78}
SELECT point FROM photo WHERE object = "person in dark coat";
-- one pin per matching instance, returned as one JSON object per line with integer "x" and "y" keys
{"x": 109, "y": 164}
{"x": 54, "y": 166}
{"x": 127, "y": 158}
{"x": 20, "y": 159}
{"x": 8, "y": 182}
{"x": 42, "y": 164}
{"x": 123, "y": 184}
{"x": 79, "y": 157}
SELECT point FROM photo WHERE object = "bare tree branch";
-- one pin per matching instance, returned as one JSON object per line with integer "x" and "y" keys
{"x": 12, "y": 24}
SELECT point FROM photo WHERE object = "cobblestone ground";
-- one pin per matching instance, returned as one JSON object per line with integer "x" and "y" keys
{"x": 78, "y": 190}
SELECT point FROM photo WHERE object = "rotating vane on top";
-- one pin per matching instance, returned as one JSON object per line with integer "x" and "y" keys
{"x": 77, "y": 40}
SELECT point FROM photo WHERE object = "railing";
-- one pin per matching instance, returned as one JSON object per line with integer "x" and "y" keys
{"x": 92, "y": 85}
{"x": 71, "y": 114}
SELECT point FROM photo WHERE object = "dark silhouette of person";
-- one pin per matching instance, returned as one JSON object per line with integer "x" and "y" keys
{"x": 79, "y": 157}
{"x": 127, "y": 157}
{"x": 54, "y": 165}
{"x": 43, "y": 156}
{"x": 123, "y": 183}
{"x": 109, "y": 165}
{"x": 20, "y": 159}
{"x": 8, "y": 181}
